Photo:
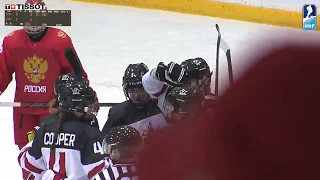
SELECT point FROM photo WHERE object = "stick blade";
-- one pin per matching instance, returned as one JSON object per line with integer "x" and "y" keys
{"x": 224, "y": 45}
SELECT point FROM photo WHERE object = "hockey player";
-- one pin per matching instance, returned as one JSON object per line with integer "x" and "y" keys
{"x": 139, "y": 110}
{"x": 121, "y": 145}
{"x": 192, "y": 72}
{"x": 59, "y": 86}
{"x": 182, "y": 104}
{"x": 36, "y": 55}
{"x": 197, "y": 74}
{"x": 184, "y": 110}
{"x": 61, "y": 83}
{"x": 68, "y": 148}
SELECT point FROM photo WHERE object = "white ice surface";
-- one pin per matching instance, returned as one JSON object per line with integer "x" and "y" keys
{"x": 108, "y": 38}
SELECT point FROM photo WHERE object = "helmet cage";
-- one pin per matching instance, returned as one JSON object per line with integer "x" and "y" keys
{"x": 176, "y": 105}
{"x": 34, "y": 31}
{"x": 201, "y": 82}
{"x": 134, "y": 91}
{"x": 107, "y": 148}
{"x": 125, "y": 151}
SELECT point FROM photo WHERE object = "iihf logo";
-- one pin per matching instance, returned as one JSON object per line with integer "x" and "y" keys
{"x": 309, "y": 19}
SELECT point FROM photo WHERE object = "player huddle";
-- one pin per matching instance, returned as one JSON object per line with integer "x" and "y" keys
{"x": 69, "y": 144}
{"x": 267, "y": 122}
{"x": 64, "y": 141}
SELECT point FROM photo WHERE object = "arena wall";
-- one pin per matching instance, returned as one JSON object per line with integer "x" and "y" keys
{"x": 287, "y": 13}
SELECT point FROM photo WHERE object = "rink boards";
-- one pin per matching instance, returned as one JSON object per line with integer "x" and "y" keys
{"x": 224, "y": 10}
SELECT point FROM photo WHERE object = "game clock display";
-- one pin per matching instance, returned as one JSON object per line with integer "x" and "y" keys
{"x": 38, "y": 18}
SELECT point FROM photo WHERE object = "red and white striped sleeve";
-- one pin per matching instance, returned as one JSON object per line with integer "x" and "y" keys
{"x": 154, "y": 87}
{"x": 26, "y": 161}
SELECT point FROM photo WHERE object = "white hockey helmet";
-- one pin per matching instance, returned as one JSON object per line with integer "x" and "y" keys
{"x": 34, "y": 31}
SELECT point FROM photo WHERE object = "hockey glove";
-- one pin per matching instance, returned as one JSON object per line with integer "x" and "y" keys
{"x": 171, "y": 74}
{"x": 31, "y": 135}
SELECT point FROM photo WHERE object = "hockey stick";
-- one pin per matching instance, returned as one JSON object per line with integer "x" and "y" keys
{"x": 216, "y": 83}
{"x": 20, "y": 104}
{"x": 74, "y": 61}
{"x": 225, "y": 47}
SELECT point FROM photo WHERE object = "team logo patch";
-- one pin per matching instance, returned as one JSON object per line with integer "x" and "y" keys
{"x": 62, "y": 34}
{"x": 76, "y": 91}
{"x": 35, "y": 69}
{"x": 183, "y": 92}
{"x": 65, "y": 77}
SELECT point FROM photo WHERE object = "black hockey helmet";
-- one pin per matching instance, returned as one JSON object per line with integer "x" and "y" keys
{"x": 133, "y": 75}
{"x": 196, "y": 67}
{"x": 76, "y": 96}
{"x": 63, "y": 79}
{"x": 132, "y": 84}
{"x": 197, "y": 73}
{"x": 183, "y": 99}
{"x": 124, "y": 139}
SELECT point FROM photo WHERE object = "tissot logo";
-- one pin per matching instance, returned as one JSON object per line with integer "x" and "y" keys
{"x": 25, "y": 7}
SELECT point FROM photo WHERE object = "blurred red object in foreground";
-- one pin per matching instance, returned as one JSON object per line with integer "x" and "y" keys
{"x": 267, "y": 127}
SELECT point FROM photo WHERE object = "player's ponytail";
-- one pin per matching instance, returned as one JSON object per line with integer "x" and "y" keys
{"x": 60, "y": 120}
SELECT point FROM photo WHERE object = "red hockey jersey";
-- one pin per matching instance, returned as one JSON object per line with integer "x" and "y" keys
{"x": 36, "y": 66}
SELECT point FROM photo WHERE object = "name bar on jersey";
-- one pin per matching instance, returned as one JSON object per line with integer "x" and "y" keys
{"x": 25, "y": 7}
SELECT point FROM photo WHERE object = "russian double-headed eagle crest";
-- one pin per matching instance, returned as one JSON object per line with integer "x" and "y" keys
{"x": 35, "y": 68}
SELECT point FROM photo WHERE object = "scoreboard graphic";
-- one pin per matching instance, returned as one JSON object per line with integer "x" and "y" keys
{"x": 37, "y": 17}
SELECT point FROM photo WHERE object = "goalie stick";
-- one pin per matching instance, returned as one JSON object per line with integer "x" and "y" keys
{"x": 76, "y": 65}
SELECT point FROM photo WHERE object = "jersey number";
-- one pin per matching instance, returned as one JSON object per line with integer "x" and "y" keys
{"x": 62, "y": 164}
{"x": 97, "y": 148}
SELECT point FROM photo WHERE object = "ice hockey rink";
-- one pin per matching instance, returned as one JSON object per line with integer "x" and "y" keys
{"x": 108, "y": 38}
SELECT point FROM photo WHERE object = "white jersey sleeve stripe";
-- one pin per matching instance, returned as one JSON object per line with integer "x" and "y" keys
{"x": 94, "y": 168}
{"x": 32, "y": 165}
